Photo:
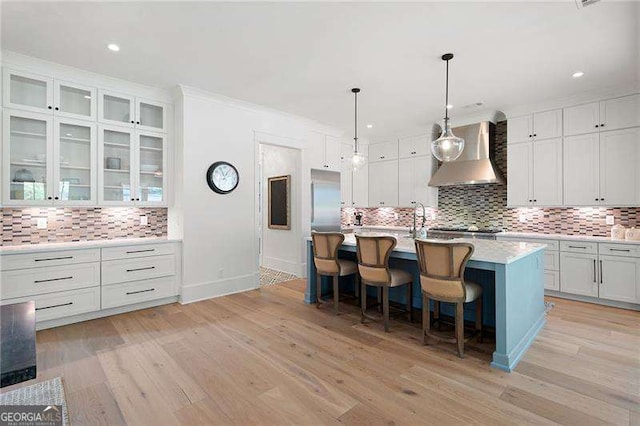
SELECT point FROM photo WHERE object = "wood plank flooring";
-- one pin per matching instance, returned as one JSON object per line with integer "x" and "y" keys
{"x": 264, "y": 357}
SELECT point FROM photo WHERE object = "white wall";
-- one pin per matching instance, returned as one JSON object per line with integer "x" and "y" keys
{"x": 280, "y": 247}
{"x": 220, "y": 232}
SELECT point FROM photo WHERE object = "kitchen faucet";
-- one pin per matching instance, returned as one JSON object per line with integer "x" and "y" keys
{"x": 414, "y": 231}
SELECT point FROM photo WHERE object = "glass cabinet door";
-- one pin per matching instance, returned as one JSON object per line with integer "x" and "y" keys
{"x": 151, "y": 171}
{"x": 150, "y": 115}
{"x": 74, "y": 162}
{"x": 115, "y": 164}
{"x": 116, "y": 108}
{"x": 27, "y": 91}
{"x": 75, "y": 101}
{"x": 27, "y": 150}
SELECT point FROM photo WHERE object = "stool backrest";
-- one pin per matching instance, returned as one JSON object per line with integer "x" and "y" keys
{"x": 442, "y": 267}
{"x": 325, "y": 251}
{"x": 373, "y": 257}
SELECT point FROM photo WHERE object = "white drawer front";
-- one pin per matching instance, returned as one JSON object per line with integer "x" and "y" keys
{"x": 48, "y": 258}
{"x": 140, "y": 291}
{"x": 141, "y": 250}
{"x": 551, "y": 260}
{"x": 552, "y": 280}
{"x": 120, "y": 271}
{"x": 28, "y": 282}
{"x": 64, "y": 303}
{"x": 628, "y": 250}
{"x": 578, "y": 247}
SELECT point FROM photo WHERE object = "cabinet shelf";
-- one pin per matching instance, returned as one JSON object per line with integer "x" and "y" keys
{"x": 76, "y": 140}
{"x": 149, "y": 148}
{"x": 27, "y": 164}
{"x": 75, "y": 168}
{"x": 116, "y": 170}
{"x": 30, "y": 134}
{"x": 117, "y": 145}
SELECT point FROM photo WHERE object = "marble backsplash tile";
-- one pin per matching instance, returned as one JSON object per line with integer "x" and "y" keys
{"x": 19, "y": 225}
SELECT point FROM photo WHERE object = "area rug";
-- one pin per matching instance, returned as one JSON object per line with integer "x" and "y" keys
{"x": 50, "y": 392}
{"x": 271, "y": 276}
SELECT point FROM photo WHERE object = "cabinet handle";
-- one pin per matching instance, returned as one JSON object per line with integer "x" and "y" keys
{"x": 49, "y": 198}
{"x": 141, "y": 269}
{"x": 140, "y": 291}
{"x": 55, "y": 306}
{"x": 140, "y": 251}
{"x": 55, "y": 198}
{"x": 132, "y": 122}
{"x": 624, "y": 250}
{"x": 52, "y": 279}
{"x": 54, "y": 258}
{"x": 602, "y": 125}
{"x": 601, "y": 272}
{"x": 601, "y": 199}
{"x": 535, "y": 134}
{"x": 579, "y": 247}
{"x": 597, "y": 126}
{"x": 382, "y": 156}
{"x": 50, "y": 107}
{"x": 57, "y": 109}
{"x": 137, "y": 122}
{"x": 594, "y": 271}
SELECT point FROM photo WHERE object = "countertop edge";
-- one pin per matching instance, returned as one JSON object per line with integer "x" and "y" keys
{"x": 81, "y": 245}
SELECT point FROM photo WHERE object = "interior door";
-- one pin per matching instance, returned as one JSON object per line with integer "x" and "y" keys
{"x": 581, "y": 171}
{"x": 620, "y": 167}
{"x": 27, "y": 157}
{"x": 579, "y": 274}
{"x": 619, "y": 278}
{"x": 75, "y": 150}
{"x": 116, "y": 157}
{"x": 74, "y": 100}
{"x": 519, "y": 185}
{"x": 547, "y": 172}
{"x": 27, "y": 91}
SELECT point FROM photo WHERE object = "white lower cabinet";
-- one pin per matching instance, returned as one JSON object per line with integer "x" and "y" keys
{"x": 71, "y": 282}
{"x": 579, "y": 274}
{"x": 618, "y": 275}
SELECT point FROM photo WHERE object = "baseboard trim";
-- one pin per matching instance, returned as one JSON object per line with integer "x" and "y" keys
{"x": 209, "y": 290}
{"x": 293, "y": 268}
{"x": 594, "y": 300}
{"x": 508, "y": 362}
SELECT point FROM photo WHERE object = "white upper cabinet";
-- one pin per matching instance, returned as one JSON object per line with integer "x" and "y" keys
{"x": 547, "y": 125}
{"x": 345, "y": 152}
{"x": 580, "y": 160}
{"x": 151, "y": 115}
{"x": 520, "y": 174}
{"x": 346, "y": 185}
{"x": 547, "y": 172}
{"x": 360, "y": 183}
{"x": 332, "y": 153}
{"x": 581, "y": 119}
{"x": 414, "y": 146}
{"x": 620, "y": 113}
{"x": 74, "y": 100}
{"x": 151, "y": 166}
{"x": 383, "y": 184}
{"x": 413, "y": 178}
{"x": 383, "y": 151}
{"x": 620, "y": 167}
{"x": 116, "y": 161}
{"x": 27, "y": 91}
{"x": 520, "y": 129}
{"x": 324, "y": 152}
{"x": 116, "y": 108}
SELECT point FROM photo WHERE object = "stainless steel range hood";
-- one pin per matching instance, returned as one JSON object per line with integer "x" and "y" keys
{"x": 476, "y": 164}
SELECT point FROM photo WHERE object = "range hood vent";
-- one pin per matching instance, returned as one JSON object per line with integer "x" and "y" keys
{"x": 476, "y": 164}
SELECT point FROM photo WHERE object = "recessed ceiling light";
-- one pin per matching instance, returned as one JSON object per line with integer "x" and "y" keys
{"x": 577, "y": 74}
{"x": 369, "y": 126}
{"x": 113, "y": 47}
{"x": 449, "y": 106}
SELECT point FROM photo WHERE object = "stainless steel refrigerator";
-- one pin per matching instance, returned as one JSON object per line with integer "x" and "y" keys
{"x": 325, "y": 201}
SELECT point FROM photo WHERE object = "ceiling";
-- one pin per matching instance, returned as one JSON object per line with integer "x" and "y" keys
{"x": 303, "y": 58}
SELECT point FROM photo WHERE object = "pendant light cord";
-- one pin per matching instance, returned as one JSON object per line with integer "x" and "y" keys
{"x": 446, "y": 105}
{"x": 355, "y": 138}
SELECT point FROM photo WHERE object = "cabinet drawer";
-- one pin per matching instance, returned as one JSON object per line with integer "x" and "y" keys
{"x": 27, "y": 282}
{"x": 48, "y": 258}
{"x": 579, "y": 247}
{"x": 120, "y": 271}
{"x": 131, "y": 252}
{"x": 551, "y": 261}
{"x": 140, "y": 291}
{"x": 628, "y": 250}
{"x": 64, "y": 303}
{"x": 552, "y": 280}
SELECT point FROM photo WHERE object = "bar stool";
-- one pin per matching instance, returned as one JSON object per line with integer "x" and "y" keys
{"x": 373, "y": 265}
{"x": 442, "y": 267}
{"x": 325, "y": 258}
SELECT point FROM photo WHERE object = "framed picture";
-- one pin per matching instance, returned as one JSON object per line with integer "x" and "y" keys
{"x": 280, "y": 202}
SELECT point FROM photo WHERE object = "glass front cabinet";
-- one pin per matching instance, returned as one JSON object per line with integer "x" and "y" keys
{"x": 123, "y": 110}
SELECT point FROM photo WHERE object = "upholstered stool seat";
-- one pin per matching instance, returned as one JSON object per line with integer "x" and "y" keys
{"x": 373, "y": 265}
{"x": 325, "y": 259}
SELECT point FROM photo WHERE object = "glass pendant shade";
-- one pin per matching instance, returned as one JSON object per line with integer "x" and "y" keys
{"x": 448, "y": 147}
{"x": 358, "y": 160}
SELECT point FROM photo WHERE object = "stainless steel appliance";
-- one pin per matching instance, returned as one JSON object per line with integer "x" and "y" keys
{"x": 451, "y": 233}
{"x": 325, "y": 201}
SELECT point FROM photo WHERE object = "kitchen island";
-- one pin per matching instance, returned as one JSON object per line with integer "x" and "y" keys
{"x": 511, "y": 274}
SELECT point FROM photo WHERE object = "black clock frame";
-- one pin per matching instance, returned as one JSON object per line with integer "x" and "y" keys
{"x": 209, "y": 176}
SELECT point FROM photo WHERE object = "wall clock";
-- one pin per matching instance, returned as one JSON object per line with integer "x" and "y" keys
{"x": 222, "y": 177}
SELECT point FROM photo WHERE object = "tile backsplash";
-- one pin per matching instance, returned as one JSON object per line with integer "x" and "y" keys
{"x": 485, "y": 206}
{"x": 19, "y": 225}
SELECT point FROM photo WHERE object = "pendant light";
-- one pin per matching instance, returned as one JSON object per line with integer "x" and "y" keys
{"x": 448, "y": 146}
{"x": 358, "y": 160}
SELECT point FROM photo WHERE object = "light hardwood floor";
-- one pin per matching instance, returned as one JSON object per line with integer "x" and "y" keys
{"x": 264, "y": 357}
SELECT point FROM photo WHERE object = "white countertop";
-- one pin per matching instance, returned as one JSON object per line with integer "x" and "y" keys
{"x": 565, "y": 237}
{"x": 77, "y": 245}
{"x": 502, "y": 252}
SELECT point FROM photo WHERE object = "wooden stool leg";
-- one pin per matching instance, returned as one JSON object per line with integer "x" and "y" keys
{"x": 363, "y": 299}
{"x": 426, "y": 318}
{"x": 436, "y": 312}
{"x": 336, "y": 290}
{"x": 460, "y": 328}
{"x": 479, "y": 318}
{"x": 410, "y": 301}
{"x": 357, "y": 286}
{"x": 379, "y": 298}
{"x": 318, "y": 290}
{"x": 385, "y": 307}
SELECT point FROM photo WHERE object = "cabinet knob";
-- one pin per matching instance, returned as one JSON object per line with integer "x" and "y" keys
{"x": 133, "y": 199}
{"x": 530, "y": 200}
{"x": 55, "y": 198}
{"x": 596, "y": 199}
{"x": 535, "y": 201}
{"x": 535, "y": 134}
{"x": 530, "y": 135}
{"x": 57, "y": 109}
{"x": 137, "y": 122}
{"x": 137, "y": 199}
{"x": 49, "y": 198}
{"x": 602, "y": 125}
{"x": 596, "y": 126}
{"x": 601, "y": 199}
{"x": 50, "y": 107}
{"x": 132, "y": 122}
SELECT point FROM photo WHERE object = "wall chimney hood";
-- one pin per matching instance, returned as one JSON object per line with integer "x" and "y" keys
{"x": 476, "y": 164}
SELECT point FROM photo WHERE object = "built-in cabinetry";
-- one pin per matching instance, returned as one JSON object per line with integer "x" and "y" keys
{"x": 71, "y": 144}
{"x": 413, "y": 176}
{"x": 383, "y": 151}
{"x": 383, "y": 183}
{"x": 584, "y": 155}
{"x": 353, "y": 183}
{"x": 414, "y": 146}
{"x": 598, "y": 271}
{"x": 70, "y": 282}
{"x": 324, "y": 152}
